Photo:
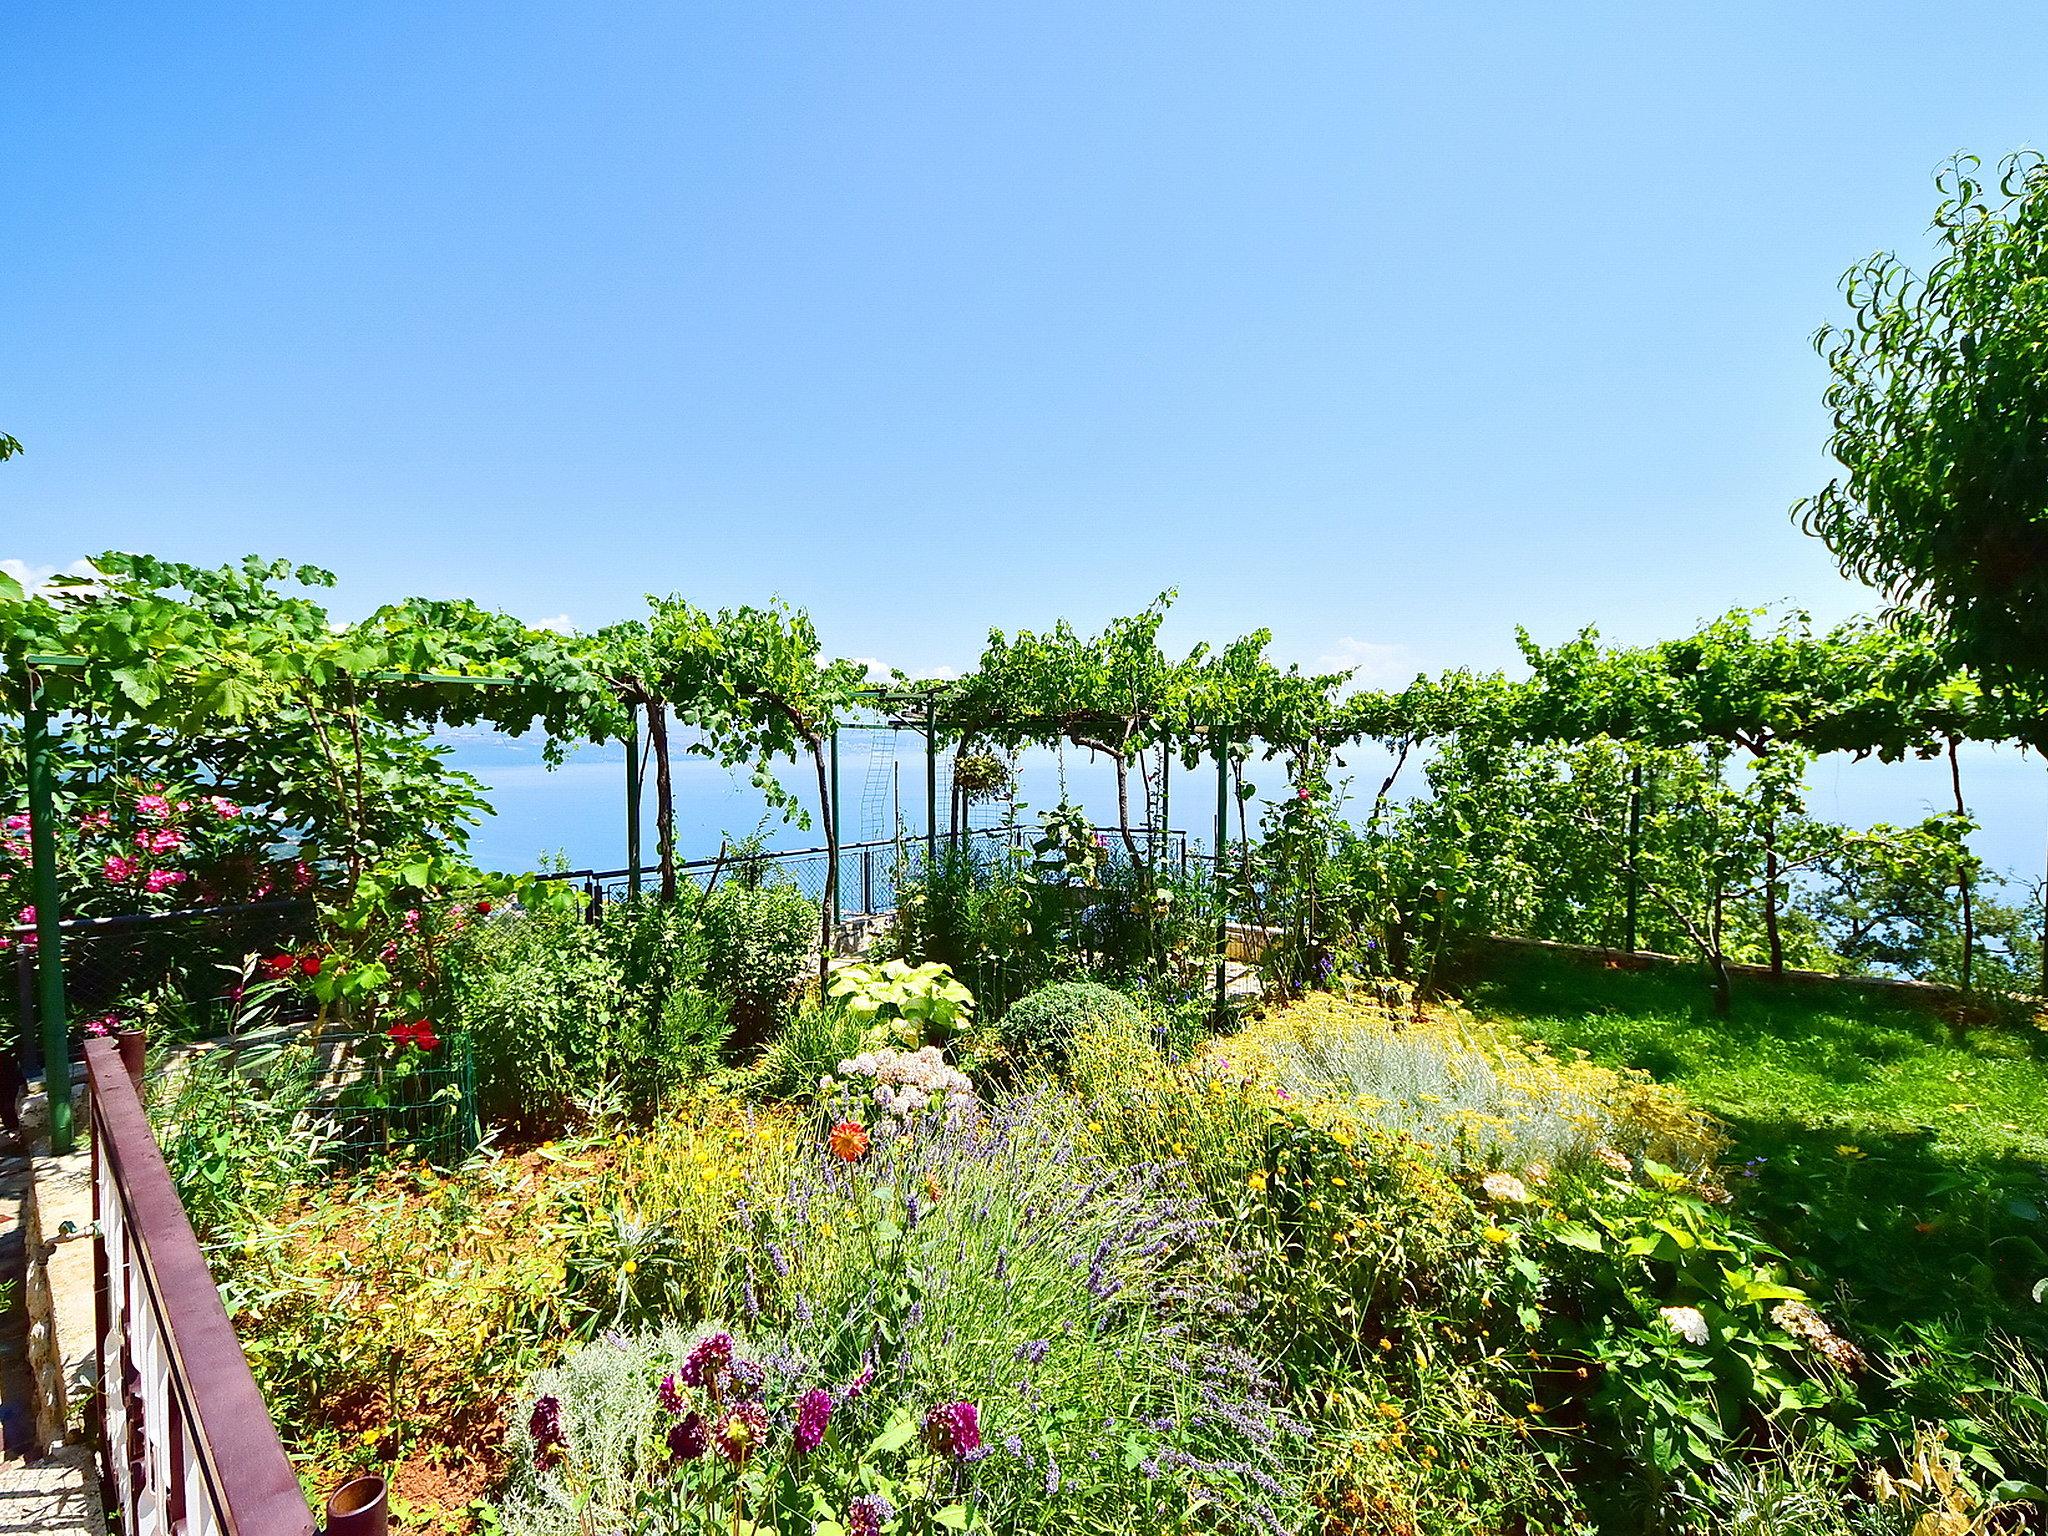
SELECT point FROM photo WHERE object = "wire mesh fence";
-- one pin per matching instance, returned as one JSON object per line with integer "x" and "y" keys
{"x": 376, "y": 1098}
{"x": 873, "y": 874}
{"x": 182, "y": 967}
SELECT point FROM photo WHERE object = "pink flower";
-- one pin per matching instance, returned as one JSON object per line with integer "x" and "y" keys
{"x": 302, "y": 874}
{"x": 153, "y": 808}
{"x": 813, "y": 1413}
{"x": 410, "y": 922}
{"x": 170, "y": 840}
{"x": 223, "y": 807}
{"x": 953, "y": 1429}
{"x": 161, "y": 880}
{"x": 119, "y": 868}
{"x": 16, "y": 823}
{"x": 16, "y": 846}
{"x": 95, "y": 821}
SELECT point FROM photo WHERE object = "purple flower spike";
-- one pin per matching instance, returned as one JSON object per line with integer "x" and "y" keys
{"x": 813, "y": 1413}
{"x": 866, "y": 1514}
{"x": 549, "y": 1438}
{"x": 953, "y": 1429}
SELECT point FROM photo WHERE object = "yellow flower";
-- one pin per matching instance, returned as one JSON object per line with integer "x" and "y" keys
{"x": 1494, "y": 1234}
{"x": 1849, "y": 1150}
{"x": 1257, "y": 1181}
{"x": 631, "y": 1267}
{"x": 1095, "y": 1127}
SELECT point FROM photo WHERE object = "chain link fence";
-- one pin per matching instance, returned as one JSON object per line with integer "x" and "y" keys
{"x": 871, "y": 874}
{"x": 178, "y": 970}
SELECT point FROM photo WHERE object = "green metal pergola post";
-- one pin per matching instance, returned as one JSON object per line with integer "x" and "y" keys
{"x": 1165, "y": 828}
{"x": 838, "y": 837}
{"x": 1222, "y": 885}
{"x": 1635, "y": 845}
{"x": 633, "y": 797}
{"x": 931, "y": 785}
{"x": 42, "y": 812}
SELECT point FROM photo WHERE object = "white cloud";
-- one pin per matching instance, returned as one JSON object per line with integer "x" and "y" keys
{"x": 1372, "y": 663}
{"x": 559, "y": 624}
{"x": 32, "y": 577}
{"x": 878, "y": 671}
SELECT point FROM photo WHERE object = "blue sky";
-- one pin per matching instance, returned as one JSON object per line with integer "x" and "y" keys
{"x": 1388, "y": 327}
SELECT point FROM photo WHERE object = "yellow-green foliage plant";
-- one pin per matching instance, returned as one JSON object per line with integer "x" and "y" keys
{"x": 1478, "y": 1098}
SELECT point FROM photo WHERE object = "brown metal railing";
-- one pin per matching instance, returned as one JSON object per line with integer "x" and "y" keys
{"x": 187, "y": 1446}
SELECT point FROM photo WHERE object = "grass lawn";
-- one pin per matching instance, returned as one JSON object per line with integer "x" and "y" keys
{"x": 1899, "y": 1159}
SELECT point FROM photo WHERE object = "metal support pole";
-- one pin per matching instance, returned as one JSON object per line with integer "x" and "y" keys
{"x": 931, "y": 785}
{"x": 1635, "y": 843}
{"x": 1165, "y": 795}
{"x": 633, "y": 797}
{"x": 1222, "y": 884}
{"x": 838, "y": 830}
{"x": 42, "y": 796}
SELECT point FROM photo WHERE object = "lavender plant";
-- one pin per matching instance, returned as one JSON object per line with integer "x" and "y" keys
{"x": 969, "y": 1325}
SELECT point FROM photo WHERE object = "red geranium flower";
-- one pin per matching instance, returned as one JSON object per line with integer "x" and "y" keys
{"x": 277, "y": 966}
{"x": 309, "y": 965}
{"x": 483, "y": 907}
{"x": 419, "y": 1033}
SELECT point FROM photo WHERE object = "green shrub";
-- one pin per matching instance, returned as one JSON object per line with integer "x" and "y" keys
{"x": 235, "y": 1135}
{"x": 1041, "y": 1026}
{"x": 558, "y": 1009}
{"x": 809, "y": 1047}
{"x": 687, "y": 1044}
{"x": 983, "y": 919}
{"x": 757, "y": 941}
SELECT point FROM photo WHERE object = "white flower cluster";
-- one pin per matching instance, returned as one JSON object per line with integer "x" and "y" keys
{"x": 1689, "y": 1323}
{"x": 909, "y": 1081}
{"x": 1506, "y": 1188}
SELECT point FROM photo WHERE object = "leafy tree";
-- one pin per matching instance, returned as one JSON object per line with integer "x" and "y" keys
{"x": 1108, "y": 693}
{"x": 1939, "y": 394}
{"x": 756, "y": 685}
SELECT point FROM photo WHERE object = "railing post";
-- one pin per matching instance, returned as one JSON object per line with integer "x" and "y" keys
{"x": 867, "y": 881}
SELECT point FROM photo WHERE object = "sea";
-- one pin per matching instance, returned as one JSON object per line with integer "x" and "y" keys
{"x": 574, "y": 815}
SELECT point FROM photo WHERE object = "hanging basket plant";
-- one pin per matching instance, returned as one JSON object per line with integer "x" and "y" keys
{"x": 983, "y": 777}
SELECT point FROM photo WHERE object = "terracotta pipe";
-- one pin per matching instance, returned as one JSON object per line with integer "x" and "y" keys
{"x": 359, "y": 1507}
{"x": 133, "y": 1043}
